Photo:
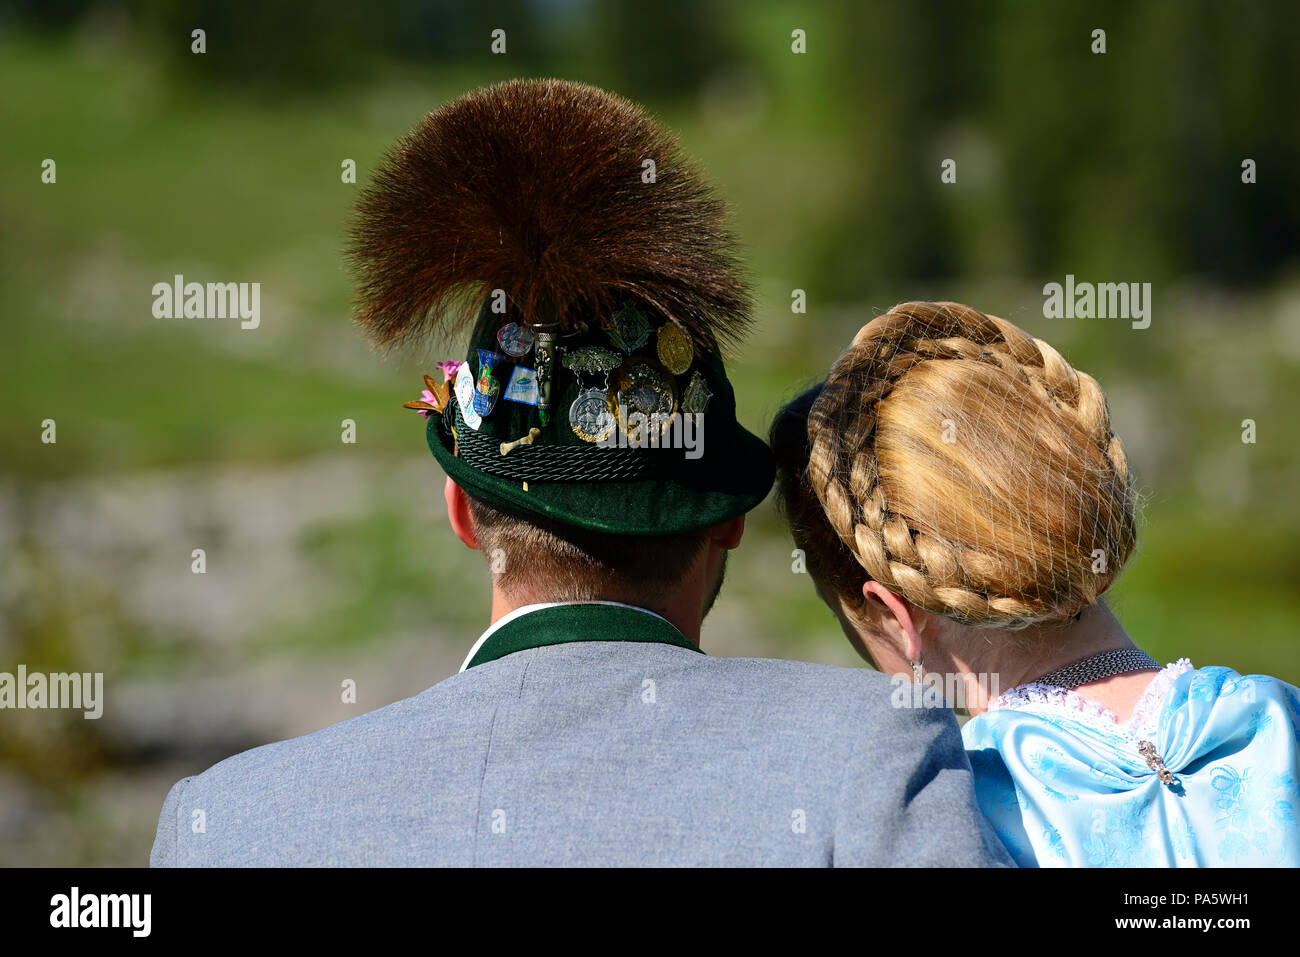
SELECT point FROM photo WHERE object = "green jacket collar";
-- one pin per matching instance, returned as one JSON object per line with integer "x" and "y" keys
{"x": 534, "y": 626}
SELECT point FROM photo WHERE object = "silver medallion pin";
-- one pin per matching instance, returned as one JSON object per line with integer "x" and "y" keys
{"x": 590, "y": 416}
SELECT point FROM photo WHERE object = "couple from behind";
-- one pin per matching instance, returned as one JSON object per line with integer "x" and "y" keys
{"x": 954, "y": 483}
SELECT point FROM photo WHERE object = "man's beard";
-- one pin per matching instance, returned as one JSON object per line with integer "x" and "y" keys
{"x": 717, "y": 586}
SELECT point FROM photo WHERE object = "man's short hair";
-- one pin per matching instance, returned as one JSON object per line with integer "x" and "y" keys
{"x": 576, "y": 564}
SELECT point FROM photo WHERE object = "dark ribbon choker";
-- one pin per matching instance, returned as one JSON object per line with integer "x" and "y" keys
{"x": 1095, "y": 667}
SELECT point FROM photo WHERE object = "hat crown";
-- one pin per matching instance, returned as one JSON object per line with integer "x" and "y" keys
{"x": 593, "y": 260}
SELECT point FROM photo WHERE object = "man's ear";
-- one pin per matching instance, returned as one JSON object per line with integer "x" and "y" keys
{"x": 728, "y": 535}
{"x": 901, "y": 617}
{"x": 462, "y": 523}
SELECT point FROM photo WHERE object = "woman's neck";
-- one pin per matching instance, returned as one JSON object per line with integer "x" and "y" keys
{"x": 989, "y": 668}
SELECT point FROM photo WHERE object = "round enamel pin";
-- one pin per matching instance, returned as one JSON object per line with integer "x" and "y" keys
{"x": 515, "y": 340}
{"x": 675, "y": 349}
{"x": 590, "y": 416}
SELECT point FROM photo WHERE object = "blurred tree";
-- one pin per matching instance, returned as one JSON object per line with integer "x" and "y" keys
{"x": 664, "y": 49}
{"x": 302, "y": 47}
{"x": 289, "y": 47}
{"x": 904, "y": 73}
{"x": 1124, "y": 162}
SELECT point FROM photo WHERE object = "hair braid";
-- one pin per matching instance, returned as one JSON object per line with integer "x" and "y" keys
{"x": 1076, "y": 462}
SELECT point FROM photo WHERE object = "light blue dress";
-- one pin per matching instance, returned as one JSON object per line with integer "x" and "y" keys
{"x": 1065, "y": 786}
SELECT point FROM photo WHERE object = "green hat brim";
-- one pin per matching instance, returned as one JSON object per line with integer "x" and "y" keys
{"x": 730, "y": 481}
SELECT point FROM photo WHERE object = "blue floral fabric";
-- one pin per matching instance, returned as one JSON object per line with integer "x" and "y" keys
{"x": 1064, "y": 789}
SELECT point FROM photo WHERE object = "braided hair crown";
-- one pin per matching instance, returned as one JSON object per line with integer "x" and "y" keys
{"x": 969, "y": 468}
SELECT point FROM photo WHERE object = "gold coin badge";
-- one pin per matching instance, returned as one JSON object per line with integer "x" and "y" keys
{"x": 590, "y": 416}
{"x": 675, "y": 349}
{"x": 642, "y": 389}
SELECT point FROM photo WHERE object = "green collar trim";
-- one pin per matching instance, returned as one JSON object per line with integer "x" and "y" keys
{"x": 587, "y": 621}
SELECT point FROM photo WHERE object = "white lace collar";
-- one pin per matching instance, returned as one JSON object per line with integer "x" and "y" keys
{"x": 1048, "y": 700}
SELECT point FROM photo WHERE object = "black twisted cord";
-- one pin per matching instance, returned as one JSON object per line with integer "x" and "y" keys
{"x": 552, "y": 463}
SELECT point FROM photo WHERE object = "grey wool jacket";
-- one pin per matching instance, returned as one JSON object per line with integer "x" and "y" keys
{"x": 595, "y": 734}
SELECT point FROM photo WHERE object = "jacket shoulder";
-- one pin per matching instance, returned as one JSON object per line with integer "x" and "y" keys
{"x": 828, "y": 690}
{"x": 291, "y": 780}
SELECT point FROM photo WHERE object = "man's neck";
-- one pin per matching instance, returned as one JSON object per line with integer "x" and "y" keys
{"x": 676, "y": 608}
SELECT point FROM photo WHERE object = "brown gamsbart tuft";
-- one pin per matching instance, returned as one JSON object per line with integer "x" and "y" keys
{"x": 535, "y": 187}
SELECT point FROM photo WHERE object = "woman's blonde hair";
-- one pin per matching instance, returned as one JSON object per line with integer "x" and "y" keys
{"x": 969, "y": 468}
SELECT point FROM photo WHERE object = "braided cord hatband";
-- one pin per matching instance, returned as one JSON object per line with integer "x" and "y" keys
{"x": 555, "y": 463}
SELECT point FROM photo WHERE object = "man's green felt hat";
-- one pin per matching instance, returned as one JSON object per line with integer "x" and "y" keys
{"x": 591, "y": 261}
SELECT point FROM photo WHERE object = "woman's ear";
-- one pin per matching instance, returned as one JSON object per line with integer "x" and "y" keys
{"x": 462, "y": 523}
{"x": 900, "y": 617}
